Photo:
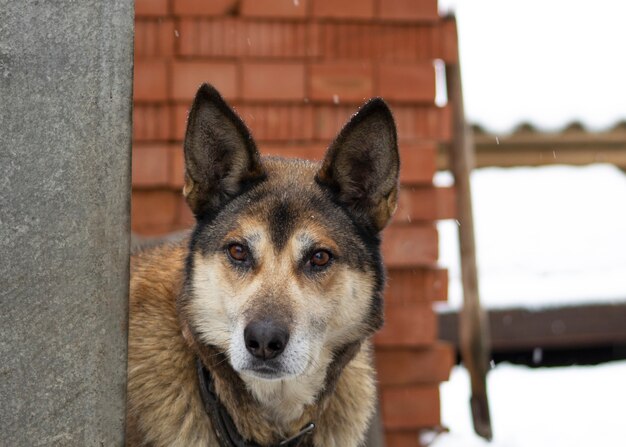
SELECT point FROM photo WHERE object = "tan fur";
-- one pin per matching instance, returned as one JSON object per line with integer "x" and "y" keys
{"x": 164, "y": 405}
{"x": 282, "y": 322}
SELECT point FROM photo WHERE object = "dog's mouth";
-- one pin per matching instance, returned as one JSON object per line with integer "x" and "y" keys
{"x": 265, "y": 370}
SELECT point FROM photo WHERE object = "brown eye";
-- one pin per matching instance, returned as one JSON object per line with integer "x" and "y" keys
{"x": 320, "y": 258}
{"x": 238, "y": 252}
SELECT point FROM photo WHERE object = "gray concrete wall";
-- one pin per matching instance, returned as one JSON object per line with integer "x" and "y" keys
{"x": 65, "y": 128}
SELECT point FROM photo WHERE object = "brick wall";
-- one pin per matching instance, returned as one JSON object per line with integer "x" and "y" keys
{"x": 296, "y": 70}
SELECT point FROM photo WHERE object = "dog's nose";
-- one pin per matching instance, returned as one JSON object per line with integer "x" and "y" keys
{"x": 265, "y": 339}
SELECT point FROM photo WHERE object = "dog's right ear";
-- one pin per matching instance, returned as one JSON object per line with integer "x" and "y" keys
{"x": 361, "y": 166}
{"x": 221, "y": 158}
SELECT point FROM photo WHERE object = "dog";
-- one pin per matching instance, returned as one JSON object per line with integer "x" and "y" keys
{"x": 255, "y": 329}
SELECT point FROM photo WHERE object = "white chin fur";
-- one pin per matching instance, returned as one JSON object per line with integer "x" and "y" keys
{"x": 250, "y": 374}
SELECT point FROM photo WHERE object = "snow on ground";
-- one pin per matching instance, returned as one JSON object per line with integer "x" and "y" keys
{"x": 578, "y": 406}
{"x": 545, "y": 236}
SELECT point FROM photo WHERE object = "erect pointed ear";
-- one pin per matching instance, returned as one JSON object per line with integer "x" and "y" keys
{"x": 362, "y": 164}
{"x": 221, "y": 158}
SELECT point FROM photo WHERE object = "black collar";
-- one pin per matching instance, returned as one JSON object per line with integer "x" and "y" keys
{"x": 223, "y": 425}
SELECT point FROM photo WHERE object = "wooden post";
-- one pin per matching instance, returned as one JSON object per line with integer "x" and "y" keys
{"x": 473, "y": 324}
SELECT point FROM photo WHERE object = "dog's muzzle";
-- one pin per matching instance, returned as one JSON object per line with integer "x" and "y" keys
{"x": 265, "y": 339}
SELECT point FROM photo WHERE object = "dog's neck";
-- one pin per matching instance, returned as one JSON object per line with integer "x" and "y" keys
{"x": 273, "y": 409}
{"x": 285, "y": 400}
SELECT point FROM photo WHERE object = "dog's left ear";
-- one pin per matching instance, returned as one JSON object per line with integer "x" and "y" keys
{"x": 361, "y": 166}
{"x": 221, "y": 158}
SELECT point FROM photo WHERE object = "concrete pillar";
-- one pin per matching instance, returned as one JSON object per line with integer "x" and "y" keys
{"x": 65, "y": 133}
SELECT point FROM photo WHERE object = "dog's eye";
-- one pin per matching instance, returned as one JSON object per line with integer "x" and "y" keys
{"x": 320, "y": 258}
{"x": 238, "y": 252}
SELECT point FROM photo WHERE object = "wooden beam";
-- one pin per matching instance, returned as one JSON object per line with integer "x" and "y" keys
{"x": 473, "y": 325}
{"x": 559, "y": 327}
{"x": 538, "y": 149}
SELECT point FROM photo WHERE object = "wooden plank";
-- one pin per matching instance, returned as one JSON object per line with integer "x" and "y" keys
{"x": 539, "y": 149}
{"x": 473, "y": 324}
{"x": 558, "y": 327}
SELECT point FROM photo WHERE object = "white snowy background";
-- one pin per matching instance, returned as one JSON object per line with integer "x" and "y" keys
{"x": 543, "y": 61}
{"x": 550, "y": 235}
{"x": 545, "y": 236}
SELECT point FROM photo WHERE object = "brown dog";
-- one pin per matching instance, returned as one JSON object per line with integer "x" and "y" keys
{"x": 256, "y": 329}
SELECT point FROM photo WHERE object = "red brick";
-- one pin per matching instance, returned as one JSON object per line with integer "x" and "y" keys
{"x": 185, "y": 218}
{"x": 153, "y": 209}
{"x": 190, "y": 30}
{"x": 446, "y": 200}
{"x": 203, "y": 7}
{"x": 419, "y": 203}
{"x": 273, "y": 39}
{"x": 344, "y": 9}
{"x": 416, "y": 285}
{"x": 214, "y": 37}
{"x": 181, "y": 112}
{"x": 418, "y": 163}
{"x": 305, "y": 151}
{"x": 347, "y": 41}
{"x": 275, "y": 9}
{"x": 150, "y": 81}
{"x": 341, "y": 81}
{"x": 278, "y": 122}
{"x": 410, "y": 245}
{"x": 273, "y": 81}
{"x": 314, "y": 39}
{"x": 412, "y": 366}
{"x": 417, "y": 123}
{"x": 188, "y": 76}
{"x": 329, "y": 119}
{"x": 408, "y": 10}
{"x": 284, "y": 123}
{"x": 152, "y": 122}
{"x": 176, "y": 173}
{"x": 409, "y": 123}
{"x": 410, "y": 407}
{"x": 408, "y": 325}
{"x": 150, "y": 165}
{"x": 407, "y": 83}
{"x": 154, "y": 38}
{"x": 403, "y": 438}
{"x": 446, "y": 123}
{"x": 397, "y": 42}
{"x": 151, "y": 8}
{"x": 230, "y": 37}
{"x": 449, "y": 48}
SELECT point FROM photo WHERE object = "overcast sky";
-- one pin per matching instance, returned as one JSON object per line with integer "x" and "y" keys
{"x": 548, "y": 62}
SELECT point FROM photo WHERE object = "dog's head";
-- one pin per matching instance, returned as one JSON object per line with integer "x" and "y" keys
{"x": 284, "y": 268}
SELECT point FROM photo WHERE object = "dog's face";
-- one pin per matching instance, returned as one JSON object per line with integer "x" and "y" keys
{"x": 284, "y": 267}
